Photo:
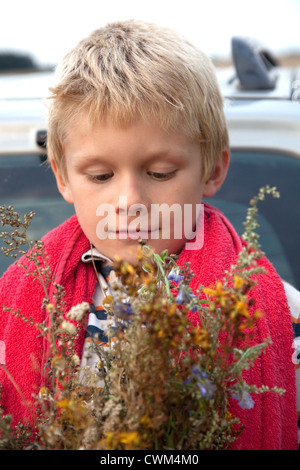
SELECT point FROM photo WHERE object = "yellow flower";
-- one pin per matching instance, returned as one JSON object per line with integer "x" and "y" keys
{"x": 107, "y": 300}
{"x": 44, "y": 392}
{"x": 130, "y": 438}
{"x": 140, "y": 253}
{"x": 201, "y": 337}
{"x": 109, "y": 437}
{"x": 238, "y": 282}
{"x": 172, "y": 309}
{"x": 63, "y": 403}
{"x": 146, "y": 421}
{"x": 219, "y": 289}
{"x": 130, "y": 269}
{"x": 242, "y": 308}
{"x": 219, "y": 293}
{"x": 58, "y": 362}
{"x": 212, "y": 292}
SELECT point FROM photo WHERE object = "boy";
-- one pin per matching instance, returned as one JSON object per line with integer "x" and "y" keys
{"x": 136, "y": 120}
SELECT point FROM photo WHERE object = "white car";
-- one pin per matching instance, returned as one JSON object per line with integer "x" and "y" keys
{"x": 262, "y": 105}
{"x": 25, "y": 181}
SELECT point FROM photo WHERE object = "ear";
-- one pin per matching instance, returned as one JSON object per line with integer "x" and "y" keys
{"x": 216, "y": 179}
{"x": 62, "y": 185}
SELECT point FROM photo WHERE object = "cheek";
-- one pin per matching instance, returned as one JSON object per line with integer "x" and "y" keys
{"x": 82, "y": 195}
{"x": 88, "y": 222}
{"x": 188, "y": 194}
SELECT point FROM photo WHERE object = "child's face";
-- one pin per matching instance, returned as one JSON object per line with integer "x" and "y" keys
{"x": 120, "y": 167}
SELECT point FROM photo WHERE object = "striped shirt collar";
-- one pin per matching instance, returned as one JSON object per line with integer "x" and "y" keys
{"x": 93, "y": 253}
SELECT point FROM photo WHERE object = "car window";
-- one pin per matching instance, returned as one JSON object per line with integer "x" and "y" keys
{"x": 28, "y": 184}
{"x": 279, "y": 219}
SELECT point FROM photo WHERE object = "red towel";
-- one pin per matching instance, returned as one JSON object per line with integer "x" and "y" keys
{"x": 25, "y": 351}
{"x": 271, "y": 424}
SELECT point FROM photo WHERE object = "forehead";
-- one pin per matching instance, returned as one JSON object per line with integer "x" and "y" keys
{"x": 138, "y": 135}
{"x": 168, "y": 119}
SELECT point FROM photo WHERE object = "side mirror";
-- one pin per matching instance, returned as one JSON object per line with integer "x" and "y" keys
{"x": 255, "y": 67}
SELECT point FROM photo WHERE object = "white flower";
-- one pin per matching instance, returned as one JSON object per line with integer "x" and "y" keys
{"x": 76, "y": 359}
{"x": 68, "y": 327}
{"x": 79, "y": 311}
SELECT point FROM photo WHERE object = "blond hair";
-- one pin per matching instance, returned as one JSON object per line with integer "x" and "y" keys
{"x": 133, "y": 68}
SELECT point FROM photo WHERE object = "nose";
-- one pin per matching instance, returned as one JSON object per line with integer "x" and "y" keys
{"x": 132, "y": 199}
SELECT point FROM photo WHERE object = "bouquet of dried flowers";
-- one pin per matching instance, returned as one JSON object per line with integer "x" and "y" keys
{"x": 166, "y": 384}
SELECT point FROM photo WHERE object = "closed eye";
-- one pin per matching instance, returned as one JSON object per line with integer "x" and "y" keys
{"x": 161, "y": 176}
{"x": 100, "y": 178}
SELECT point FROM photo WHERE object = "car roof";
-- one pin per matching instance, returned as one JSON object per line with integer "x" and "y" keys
{"x": 264, "y": 124}
{"x": 20, "y": 86}
{"x": 23, "y": 110}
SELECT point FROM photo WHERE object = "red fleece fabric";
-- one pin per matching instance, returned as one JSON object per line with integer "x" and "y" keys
{"x": 26, "y": 351}
{"x": 271, "y": 424}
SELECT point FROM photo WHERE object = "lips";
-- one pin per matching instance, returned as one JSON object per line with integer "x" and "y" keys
{"x": 125, "y": 234}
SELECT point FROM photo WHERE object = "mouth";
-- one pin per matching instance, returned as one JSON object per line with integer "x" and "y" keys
{"x": 134, "y": 234}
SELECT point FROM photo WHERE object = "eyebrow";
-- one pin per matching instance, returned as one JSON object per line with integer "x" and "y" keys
{"x": 155, "y": 155}
{"x": 81, "y": 160}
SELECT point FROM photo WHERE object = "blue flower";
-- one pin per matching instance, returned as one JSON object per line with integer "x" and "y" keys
{"x": 184, "y": 295}
{"x": 196, "y": 373}
{"x": 175, "y": 276}
{"x": 205, "y": 386}
{"x": 207, "y": 389}
{"x": 123, "y": 310}
{"x": 200, "y": 373}
{"x": 244, "y": 399}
